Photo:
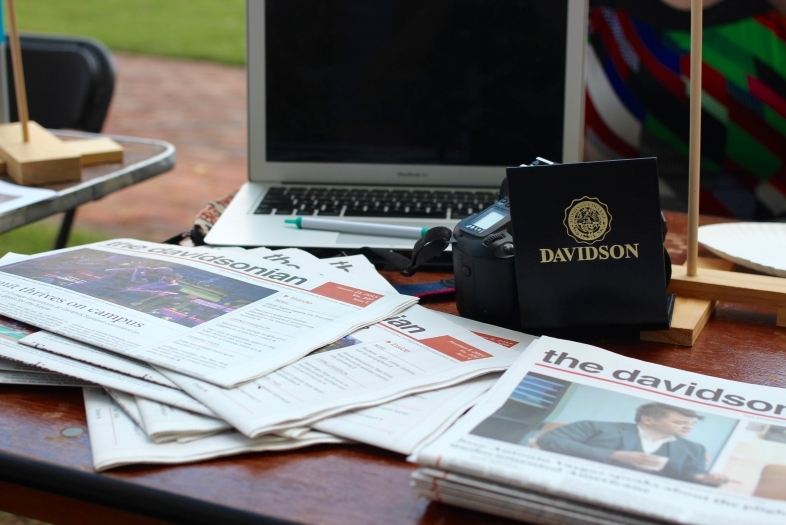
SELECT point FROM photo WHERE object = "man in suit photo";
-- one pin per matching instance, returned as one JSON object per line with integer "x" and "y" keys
{"x": 655, "y": 443}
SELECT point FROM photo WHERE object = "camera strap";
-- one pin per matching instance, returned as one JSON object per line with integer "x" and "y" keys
{"x": 391, "y": 260}
{"x": 432, "y": 244}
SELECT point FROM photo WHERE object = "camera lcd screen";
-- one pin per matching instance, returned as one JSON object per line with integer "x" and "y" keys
{"x": 490, "y": 218}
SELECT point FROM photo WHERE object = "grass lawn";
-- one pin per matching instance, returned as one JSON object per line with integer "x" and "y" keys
{"x": 40, "y": 237}
{"x": 201, "y": 29}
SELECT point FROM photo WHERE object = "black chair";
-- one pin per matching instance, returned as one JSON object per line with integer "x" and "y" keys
{"x": 69, "y": 83}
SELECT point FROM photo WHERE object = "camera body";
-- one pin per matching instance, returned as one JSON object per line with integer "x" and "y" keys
{"x": 618, "y": 291}
{"x": 484, "y": 267}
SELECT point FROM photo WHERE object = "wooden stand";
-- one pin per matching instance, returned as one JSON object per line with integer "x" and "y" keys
{"x": 42, "y": 160}
{"x": 733, "y": 287}
{"x": 690, "y": 314}
{"x": 32, "y": 155}
{"x": 699, "y": 291}
{"x": 687, "y": 322}
{"x": 101, "y": 150}
{"x": 46, "y": 159}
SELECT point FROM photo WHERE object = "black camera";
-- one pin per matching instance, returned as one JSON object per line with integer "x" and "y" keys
{"x": 484, "y": 267}
{"x": 484, "y": 264}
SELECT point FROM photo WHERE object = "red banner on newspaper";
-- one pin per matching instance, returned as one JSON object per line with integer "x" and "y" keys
{"x": 507, "y": 343}
{"x": 346, "y": 294}
{"x": 454, "y": 348}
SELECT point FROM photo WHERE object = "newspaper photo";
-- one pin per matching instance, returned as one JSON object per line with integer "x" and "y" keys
{"x": 585, "y": 424}
{"x": 223, "y": 317}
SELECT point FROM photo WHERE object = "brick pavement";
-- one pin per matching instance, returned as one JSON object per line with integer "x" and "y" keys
{"x": 200, "y": 107}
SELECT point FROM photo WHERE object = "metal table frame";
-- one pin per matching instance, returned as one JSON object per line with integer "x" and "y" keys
{"x": 144, "y": 159}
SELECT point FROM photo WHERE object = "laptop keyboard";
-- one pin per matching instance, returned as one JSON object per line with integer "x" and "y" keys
{"x": 373, "y": 202}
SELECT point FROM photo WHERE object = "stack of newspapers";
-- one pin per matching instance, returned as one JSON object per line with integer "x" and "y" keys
{"x": 575, "y": 434}
{"x": 193, "y": 353}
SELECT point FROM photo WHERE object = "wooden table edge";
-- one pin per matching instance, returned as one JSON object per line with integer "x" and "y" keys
{"x": 92, "y": 497}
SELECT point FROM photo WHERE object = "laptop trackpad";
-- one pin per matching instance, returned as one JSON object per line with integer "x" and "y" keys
{"x": 375, "y": 240}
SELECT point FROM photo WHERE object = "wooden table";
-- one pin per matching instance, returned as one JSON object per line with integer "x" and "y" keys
{"x": 49, "y": 476}
{"x": 144, "y": 158}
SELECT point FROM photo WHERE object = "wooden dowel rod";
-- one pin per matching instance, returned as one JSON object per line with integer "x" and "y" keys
{"x": 694, "y": 182}
{"x": 19, "y": 73}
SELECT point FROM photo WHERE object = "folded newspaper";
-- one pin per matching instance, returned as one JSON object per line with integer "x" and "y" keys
{"x": 101, "y": 376}
{"x": 405, "y": 354}
{"x": 399, "y": 425}
{"x": 575, "y": 434}
{"x": 223, "y": 317}
{"x": 116, "y": 440}
{"x": 16, "y": 373}
{"x": 164, "y": 423}
{"x": 405, "y": 424}
{"x": 63, "y": 346}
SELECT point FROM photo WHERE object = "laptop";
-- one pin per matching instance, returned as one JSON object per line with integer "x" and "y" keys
{"x": 399, "y": 111}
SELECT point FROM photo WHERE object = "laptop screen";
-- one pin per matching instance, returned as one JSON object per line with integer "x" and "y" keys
{"x": 415, "y": 82}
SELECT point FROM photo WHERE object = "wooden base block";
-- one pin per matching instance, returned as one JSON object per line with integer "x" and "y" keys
{"x": 690, "y": 316}
{"x": 696, "y": 298}
{"x": 45, "y": 159}
{"x": 733, "y": 287}
{"x": 101, "y": 150}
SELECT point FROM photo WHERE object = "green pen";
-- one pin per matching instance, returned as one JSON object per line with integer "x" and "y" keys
{"x": 363, "y": 228}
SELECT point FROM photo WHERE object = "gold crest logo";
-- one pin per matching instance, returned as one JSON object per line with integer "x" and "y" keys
{"x": 587, "y": 220}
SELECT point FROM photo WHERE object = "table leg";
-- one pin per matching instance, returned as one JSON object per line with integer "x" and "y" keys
{"x": 65, "y": 229}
